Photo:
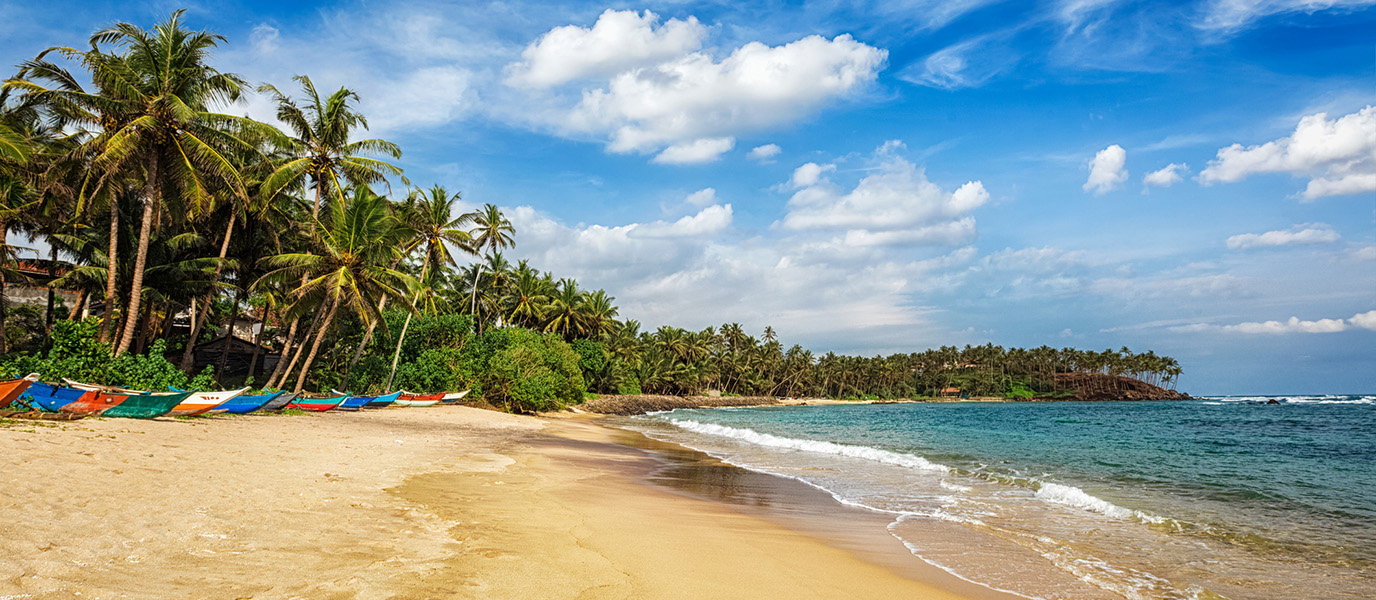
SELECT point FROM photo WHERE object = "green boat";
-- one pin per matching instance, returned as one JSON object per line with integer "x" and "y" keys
{"x": 146, "y": 405}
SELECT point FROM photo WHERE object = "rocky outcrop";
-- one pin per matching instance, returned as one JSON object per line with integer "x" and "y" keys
{"x": 1096, "y": 386}
{"x": 644, "y": 403}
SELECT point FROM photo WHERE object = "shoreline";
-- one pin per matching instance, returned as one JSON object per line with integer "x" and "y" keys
{"x": 415, "y": 503}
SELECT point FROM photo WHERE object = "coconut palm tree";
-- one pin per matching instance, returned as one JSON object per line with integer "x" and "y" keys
{"x": 321, "y": 149}
{"x": 346, "y": 266}
{"x": 491, "y": 233}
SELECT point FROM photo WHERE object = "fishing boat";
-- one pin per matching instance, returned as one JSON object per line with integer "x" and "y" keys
{"x": 279, "y": 402}
{"x": 52, "y": 397}
{"x": 453, "y": 397}
{"x": 384, "y": 400}
{"x": 203, "y": 402}
{"x": 94, "y": 403}
{"x": 240, "y": 405}
{"x": 143, "y": 405}
{"x": 352, "y": 402}
{"x": 413, "y": 399}
{"x": 11, "y": 389}
{"x": 317, "y": 402}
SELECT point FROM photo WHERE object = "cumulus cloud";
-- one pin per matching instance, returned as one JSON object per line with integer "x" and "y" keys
{"x": 1366, "y": 320}
{"x": 1106, "y": 172}
{"x": 1293, "y": 325}
{"x": 1315, "y": 233}
{"x": 809, "y": 174}
{"x": 709, "y": 221}
{"x": 695, "y": 152}
{"x": 618, "y": 41}
{"x": 1364, "y": 253}
{"x": 764, "y": 153}
{"x": 894, "y": 205}
{"x": 702, "y": 198}
{"x": 1166, "y": 176}
{"x": 1237, "y": 14}
{"x": 695, "y": 97}
{"x": 1339, "y": 156}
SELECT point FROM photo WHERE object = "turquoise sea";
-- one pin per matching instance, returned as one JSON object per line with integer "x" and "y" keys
{"x": 1228, "y": 497}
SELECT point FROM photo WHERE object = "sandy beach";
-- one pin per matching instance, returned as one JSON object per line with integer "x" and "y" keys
{"x": 416, "y": 503}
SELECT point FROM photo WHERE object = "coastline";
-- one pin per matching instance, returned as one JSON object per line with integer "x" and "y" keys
{"x": 412, "y": 503}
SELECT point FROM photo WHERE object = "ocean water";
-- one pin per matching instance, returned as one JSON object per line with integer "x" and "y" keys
{"x": 1225, "y": 497}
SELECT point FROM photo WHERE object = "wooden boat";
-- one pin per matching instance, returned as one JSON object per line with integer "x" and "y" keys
{"x": 453, "y": 397}
{"x": 11, "y": 389}
{"x": 52, "y": 397}
{"x": 144, "y": 405}
{"x": 94, "y": 403}
{"x": 279, "y": 402}
{"x": 203, "y": 402}
{"x": 241, "y": 405}
{"x": 384, "y": 400}
{"x": 352, "y": 402}
{"x": 412, "y": 399}
{"x": 317, "y": 402}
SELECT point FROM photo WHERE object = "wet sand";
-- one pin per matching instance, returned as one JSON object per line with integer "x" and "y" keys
{"x": 442, "y": 502}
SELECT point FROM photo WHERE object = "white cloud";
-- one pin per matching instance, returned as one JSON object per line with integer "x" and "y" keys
{"x": 894, "y": 205}
{"x": 1166, "y": 176}
{"x": 1366, "y": 320}
{"x": 965, "y": 64}
{"x": 765, "y": 152}
{"x": 1364, "y": 253}
{"x": 1106, "y": 172}
{"x": 263, "y": 38}
{"x": 617, "y": 42}
{"x": 1315, "y": 233}
{"x": 702, "y": 198}
{"x": 1293, "y": 325}
{"x": 709, "y": 221}
{"x": 695, "y": 97}
{"x": 695, "y": 152}
{"x": 809, "y": 174}
{"x": 1338, "y": 156}
{"x": 1237, "y": 14}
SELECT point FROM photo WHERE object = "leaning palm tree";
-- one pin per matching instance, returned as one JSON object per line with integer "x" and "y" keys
{"x": 152, "y": 109}
{"x": 321, "y": 147}
{"x": 491, "y": 232}
{"x": 347, "y": 266}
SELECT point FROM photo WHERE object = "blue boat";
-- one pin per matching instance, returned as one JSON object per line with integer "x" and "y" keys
{"x": 381, "y": 401}
{"x": 356, "y": 402}
{"x": 51, "y": 397}
{"x": 246, "y": 404}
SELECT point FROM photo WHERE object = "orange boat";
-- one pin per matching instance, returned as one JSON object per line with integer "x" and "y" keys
{"x": 93, "y": 403}
{"x": 11, "y": 389}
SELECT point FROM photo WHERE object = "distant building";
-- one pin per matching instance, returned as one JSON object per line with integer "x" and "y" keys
{"x": 950, "y": 393}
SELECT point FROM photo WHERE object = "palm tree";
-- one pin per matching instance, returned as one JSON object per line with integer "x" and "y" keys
{"x": 152, "y": 112}
{"x": 347, "y": 266}
{"x": 491, "y": 232}
{"x": 321, "y": 150}
{"x": 527, "y": 296}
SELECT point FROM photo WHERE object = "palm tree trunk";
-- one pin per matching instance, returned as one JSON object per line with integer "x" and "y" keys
{"x": 111, "y": 269}
{"x": 396, "y": 355}
{"x": 367, "y": 337}
{"x": 286, "y": 351}
{"x": 229, "y": 332}
{"x": 75, "y": 315}
{"x": 296, "y": 356}
{"x": 52, "y": 293}
{"x": 315, "y": 347}
{"x": 473, "y": 306}
{"x": 198, "y": 319}
{"x": 257, "y": 347}
{"x": 152, "y": 197}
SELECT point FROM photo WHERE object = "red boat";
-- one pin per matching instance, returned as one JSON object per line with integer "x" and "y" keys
{"x": 94, "y": 403}
{"x": 317, "y": 402}
{"x": 11, "y": 389}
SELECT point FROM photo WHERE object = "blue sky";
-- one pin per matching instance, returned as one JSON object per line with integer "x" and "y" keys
{"x": 1197, "y": 178}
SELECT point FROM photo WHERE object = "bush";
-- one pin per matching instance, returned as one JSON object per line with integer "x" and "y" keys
{"x": 526, "y": 371}
{"x": 149, "y": 371}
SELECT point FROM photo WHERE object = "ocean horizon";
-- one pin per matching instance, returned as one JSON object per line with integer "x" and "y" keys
{"x": 1247, "y": 496}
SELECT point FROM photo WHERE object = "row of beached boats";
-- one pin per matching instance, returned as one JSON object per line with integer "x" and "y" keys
{"x": 73, "y": 400}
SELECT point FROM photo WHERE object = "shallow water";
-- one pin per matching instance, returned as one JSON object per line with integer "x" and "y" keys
{"x": 1216, "y": 497}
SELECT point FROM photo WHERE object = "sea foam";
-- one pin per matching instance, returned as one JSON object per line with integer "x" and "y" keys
{"x": 773, "y": 441}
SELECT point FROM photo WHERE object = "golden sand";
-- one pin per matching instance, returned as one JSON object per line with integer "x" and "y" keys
{"x": 441, "y": 502}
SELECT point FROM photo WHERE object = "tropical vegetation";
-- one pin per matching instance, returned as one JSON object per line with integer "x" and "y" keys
{"x": 167, "y": 216}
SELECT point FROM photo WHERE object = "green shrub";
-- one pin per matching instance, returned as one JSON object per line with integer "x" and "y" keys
{"x": 150, "y": 371}
{"x": 526, "y": 371}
